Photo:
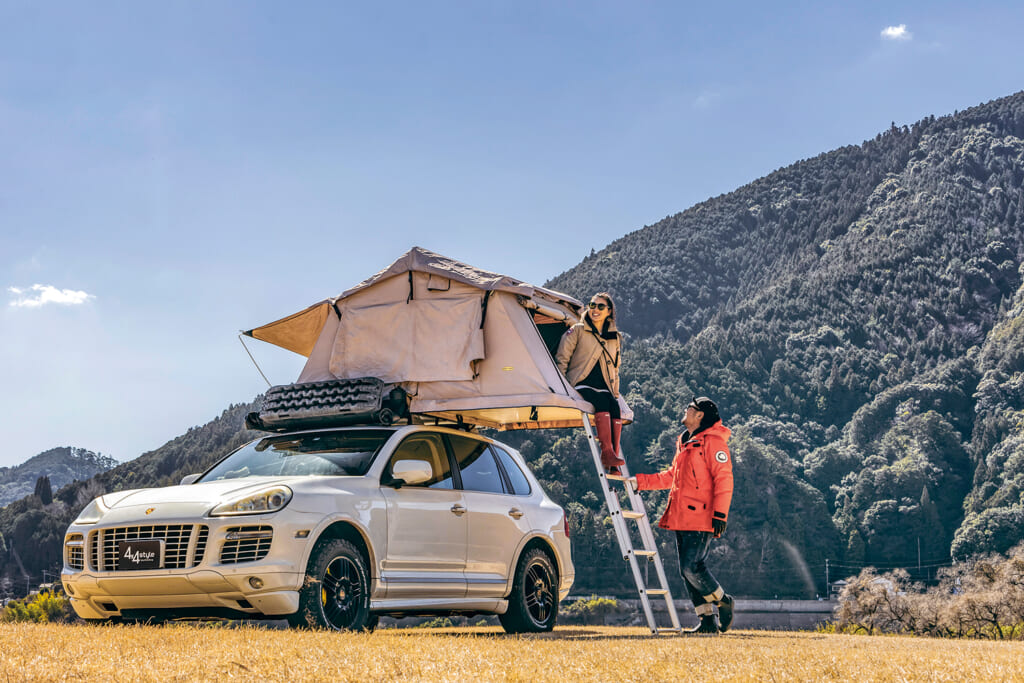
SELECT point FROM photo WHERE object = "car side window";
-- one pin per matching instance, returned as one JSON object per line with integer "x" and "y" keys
{"x": 428, "y": 448}
{"x": 520, "y": 484}
{"x": 477, "y": 466}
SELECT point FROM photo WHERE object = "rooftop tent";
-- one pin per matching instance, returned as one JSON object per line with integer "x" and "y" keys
{"x": 466, "y": 344}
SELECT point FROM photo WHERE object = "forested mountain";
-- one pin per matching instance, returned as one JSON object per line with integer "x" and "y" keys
{"x": 59, "y": 465}
{"x": 858, "y": 317}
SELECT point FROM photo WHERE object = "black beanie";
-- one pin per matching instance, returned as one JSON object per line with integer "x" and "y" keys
{"x": 710, "y": 410}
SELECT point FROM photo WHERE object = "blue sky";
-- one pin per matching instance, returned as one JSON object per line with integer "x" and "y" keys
{"x": 171, "y": 173}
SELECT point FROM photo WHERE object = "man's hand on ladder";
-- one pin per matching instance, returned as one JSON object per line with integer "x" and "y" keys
{"x": 631, "y": 482}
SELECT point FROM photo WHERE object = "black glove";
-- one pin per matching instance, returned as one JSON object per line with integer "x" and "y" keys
{"x": 718, "y": 524}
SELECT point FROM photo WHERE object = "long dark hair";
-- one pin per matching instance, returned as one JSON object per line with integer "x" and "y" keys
{"x": 611, "y": 313}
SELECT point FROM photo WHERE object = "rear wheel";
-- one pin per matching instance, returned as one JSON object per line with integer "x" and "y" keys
{"x": 336, "y": 592}
{"x": 533, "y": 603}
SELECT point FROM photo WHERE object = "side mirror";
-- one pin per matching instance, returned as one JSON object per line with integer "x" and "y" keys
{"x": 189, "y": 479}
{"x": 410, "y": 473}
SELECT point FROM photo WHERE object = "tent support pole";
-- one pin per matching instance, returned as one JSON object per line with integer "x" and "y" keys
{"x": 254, "y": 360}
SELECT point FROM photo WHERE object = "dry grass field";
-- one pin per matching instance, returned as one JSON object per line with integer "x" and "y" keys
{"x": 51, "y": 652}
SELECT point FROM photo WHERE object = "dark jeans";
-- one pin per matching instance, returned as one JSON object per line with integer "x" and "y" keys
{"x": 602, "y": 401}
{"x": 693, "y": 551}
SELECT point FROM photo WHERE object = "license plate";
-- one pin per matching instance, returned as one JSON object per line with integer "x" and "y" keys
{"x": 139, "y": 554}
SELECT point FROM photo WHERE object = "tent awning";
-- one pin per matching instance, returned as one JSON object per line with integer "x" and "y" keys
{"x": 298, "y": 332}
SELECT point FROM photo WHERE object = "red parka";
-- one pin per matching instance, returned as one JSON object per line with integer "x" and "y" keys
{"x": 700, "y": 480}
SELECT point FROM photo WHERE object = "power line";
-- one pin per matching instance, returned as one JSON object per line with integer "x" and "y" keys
{"x": 911, "y": 566}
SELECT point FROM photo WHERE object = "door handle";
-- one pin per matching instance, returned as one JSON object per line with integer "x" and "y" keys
{"x": 515, "y": 513}
{"x": 458, "y": 509}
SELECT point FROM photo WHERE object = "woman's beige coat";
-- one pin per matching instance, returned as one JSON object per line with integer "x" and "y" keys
{"x": 581, "y": 347}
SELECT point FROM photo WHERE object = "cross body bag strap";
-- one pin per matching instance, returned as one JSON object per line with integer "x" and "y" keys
{"x": 604, "y": 349}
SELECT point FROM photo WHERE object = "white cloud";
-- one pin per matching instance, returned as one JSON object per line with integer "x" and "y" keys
{"x": 897, "y": 33}
{"x": 705, "y": 100}
{"x": 40, "y": 295}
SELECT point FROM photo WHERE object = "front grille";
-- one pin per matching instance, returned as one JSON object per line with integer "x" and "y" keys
{"x": 204, "y": 533}
{"x": 246, "y": 544}
{"x": 177, "y": 540}
{"x": 74, "y": 551}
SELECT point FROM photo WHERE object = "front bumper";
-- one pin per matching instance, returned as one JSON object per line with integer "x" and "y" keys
{"x": 253, "y": 565}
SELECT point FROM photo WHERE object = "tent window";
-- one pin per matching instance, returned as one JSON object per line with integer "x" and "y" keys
{"x": 436, "y": 283}
{"x": 551, "y": 331}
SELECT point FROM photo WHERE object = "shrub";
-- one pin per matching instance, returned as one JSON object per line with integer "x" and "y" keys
{"x": 592, "y": 610}
{"x": 42, "y": 607}
{"x": 436, "y": 622}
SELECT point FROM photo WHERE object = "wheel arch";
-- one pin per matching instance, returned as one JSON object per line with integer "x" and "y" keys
{"x": 543, "y": 543}
{"x": 350, "y": 531}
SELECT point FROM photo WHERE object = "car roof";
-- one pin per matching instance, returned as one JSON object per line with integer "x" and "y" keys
{"x": 398, "y": 429}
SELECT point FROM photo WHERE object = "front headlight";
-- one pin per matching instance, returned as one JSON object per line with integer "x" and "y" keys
{"x": 92, "y": 513}
{"x": 268, "y": 500}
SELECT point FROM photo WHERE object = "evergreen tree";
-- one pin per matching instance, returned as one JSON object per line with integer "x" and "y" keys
{"x": 43, "y": 491}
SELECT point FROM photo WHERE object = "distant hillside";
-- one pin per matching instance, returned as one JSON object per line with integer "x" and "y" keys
{"x": 858, "y": 317}
{"x": 35, "y": 531}
{"x": 61, "y": 465}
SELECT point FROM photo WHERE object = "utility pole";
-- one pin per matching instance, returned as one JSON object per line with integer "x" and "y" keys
{"x": 828, "y": 588}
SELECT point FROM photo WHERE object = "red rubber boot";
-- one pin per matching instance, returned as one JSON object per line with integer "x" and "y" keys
{"x": 609, "y": 459}
{"x": 616, "y": 433}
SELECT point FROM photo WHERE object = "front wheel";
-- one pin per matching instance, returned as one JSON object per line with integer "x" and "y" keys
{"x": 335, "y": 594}
{"x": 533, "y": 603}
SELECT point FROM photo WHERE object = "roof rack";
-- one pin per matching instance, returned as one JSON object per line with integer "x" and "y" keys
{"x": 334, "y": 403}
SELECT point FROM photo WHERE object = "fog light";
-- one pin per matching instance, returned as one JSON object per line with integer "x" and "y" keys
{"x": 256, "y": 582}
{"x": 69, "y": 590}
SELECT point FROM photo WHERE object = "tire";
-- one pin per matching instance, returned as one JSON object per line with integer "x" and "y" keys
{"x": 533, "y": 603}
{"x": 335, "y": 594}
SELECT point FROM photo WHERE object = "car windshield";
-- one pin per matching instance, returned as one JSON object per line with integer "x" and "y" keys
{"x": 346, "y": 453}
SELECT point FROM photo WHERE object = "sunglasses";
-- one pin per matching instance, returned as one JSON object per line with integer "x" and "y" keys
{"x": 593, "y": 304}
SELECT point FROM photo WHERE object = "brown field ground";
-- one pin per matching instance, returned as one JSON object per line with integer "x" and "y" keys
{"x": 181, "y": 652}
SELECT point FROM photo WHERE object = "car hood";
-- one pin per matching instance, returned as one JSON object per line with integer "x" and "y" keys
{"x": 182, "y": 502}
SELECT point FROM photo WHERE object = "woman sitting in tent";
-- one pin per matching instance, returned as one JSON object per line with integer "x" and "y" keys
{"x": 588, "y": 356}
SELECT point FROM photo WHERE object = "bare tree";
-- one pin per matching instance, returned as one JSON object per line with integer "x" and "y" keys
{"x": 983, "y": 598}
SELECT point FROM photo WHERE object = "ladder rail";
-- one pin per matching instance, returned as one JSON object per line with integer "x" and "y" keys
{"x": 647, "y": 535}
{"x": 619, "y": 519}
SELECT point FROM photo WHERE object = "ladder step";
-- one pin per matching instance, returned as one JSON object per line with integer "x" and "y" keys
{"x": 638, "y": 513}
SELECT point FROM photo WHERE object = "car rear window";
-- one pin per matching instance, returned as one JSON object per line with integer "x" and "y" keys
{"x": 477, "y": 468}
{"x": 347, "y": 453}
{"x": 520, "y": 484}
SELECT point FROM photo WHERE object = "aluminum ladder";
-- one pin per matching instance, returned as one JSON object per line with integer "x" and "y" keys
{"x": 638, "y": 514}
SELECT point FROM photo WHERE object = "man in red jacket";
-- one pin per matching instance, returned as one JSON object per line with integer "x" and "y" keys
{"x": 700, "y": 483}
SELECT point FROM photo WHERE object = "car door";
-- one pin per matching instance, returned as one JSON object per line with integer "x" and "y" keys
{"x": 497, "y": 521}
{"x": 427, "y": 526}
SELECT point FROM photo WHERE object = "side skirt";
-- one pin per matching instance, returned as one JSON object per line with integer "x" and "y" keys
{"x": 438, "y": 606}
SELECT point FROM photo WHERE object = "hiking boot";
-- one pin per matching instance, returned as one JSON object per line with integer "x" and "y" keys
{"x": 707, "y": 626}
{"x": 725, "y": 607}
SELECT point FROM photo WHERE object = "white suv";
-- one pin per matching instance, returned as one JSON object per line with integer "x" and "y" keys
{"x": 331, "y": 528}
